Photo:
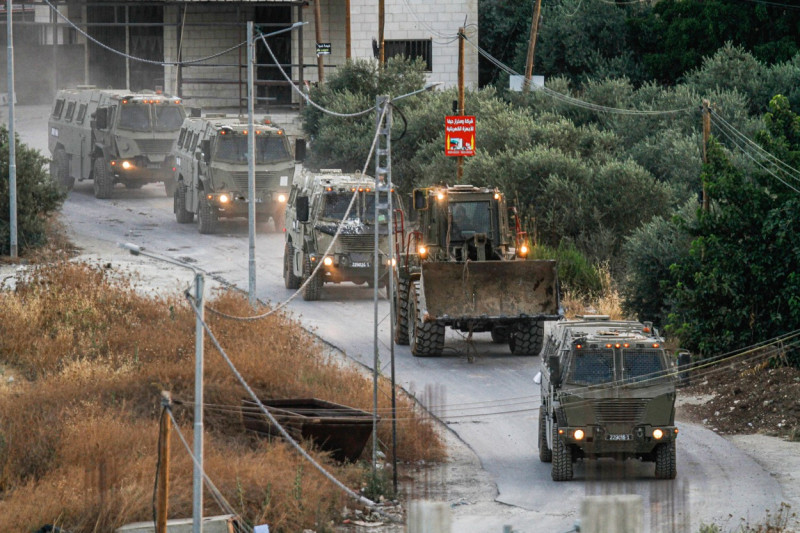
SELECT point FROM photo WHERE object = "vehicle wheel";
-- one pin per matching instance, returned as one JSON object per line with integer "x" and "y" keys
{"x": 401, "y": 312}
{"x": 170, "y": 186}
{"x": 182, "y": 215}
{"x": 500, "y": 334}
{"x": 527, "y": 338}
{"x": 312, "y": 290}
{"x": 290, "y": 281}
{"x": 666, "y": 467}
{"x": 545, "y": 453}
{"x": 279, "y": 219}
{"x": 427, "y": 338}
{"x": 562, "y": 458}
{"x": 206, "y": 216}
{"x": 103, "y": 180}
{"x": 59, "y": 170}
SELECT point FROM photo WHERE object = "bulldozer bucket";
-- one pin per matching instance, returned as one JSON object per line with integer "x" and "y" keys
{"x": 489, "y": 289}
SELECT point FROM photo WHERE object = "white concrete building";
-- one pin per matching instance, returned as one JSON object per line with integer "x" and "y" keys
{"x": 190, "y": 36}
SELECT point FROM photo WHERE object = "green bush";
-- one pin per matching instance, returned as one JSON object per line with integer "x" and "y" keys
{"x": 37, "y": 196}
{"x": 575, "y": 273}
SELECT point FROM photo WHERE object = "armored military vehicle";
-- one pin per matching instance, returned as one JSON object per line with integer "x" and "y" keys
{"x": 460, "y": 264}
{"x": 608, "y": 390}
{"x": 211, "y": 170}
{"x": 113, "y": 136}
{"x": 318, "y": 203}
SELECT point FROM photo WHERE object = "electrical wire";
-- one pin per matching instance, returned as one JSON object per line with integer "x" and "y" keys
{"x": 575, "y": 101}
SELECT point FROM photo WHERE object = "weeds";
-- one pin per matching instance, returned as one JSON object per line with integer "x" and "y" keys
{"x": 78, "y": 436}
{"x": 778, "y": 522}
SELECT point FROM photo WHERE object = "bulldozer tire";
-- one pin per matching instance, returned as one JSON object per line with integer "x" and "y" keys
{"x": 500, "y": 335}
{"x": 182, "y": 215}
{"x": 666, "y": 467}
{"x": 103, "y": 180}
{"x": 313, "y": 288}
{"x": 427, "y": 338}
{"x": 401, "y": 312}
{"x": 59, "y": 170}
{"x": 562, "y": 458}
{"x": 206, "y": 217}
{"x": 290, "y": 281}
{"x": 527, "y": 338}
{"x": 545, "y": 453}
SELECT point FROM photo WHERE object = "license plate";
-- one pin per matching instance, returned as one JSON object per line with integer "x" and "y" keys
{"x": 619, "y": 437}
{"x": 360, "y": 264}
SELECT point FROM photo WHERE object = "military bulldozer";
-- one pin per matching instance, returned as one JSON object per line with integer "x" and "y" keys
{"x": 460, "y": 265}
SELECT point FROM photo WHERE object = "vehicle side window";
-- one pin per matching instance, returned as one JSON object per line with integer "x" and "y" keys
{"x": 70, "y": 111}
{"x": 58, "y": 109}
{"x": 181, "y": 137}
{"x": 81, "y": 114}
{"x": 194, "y": 142}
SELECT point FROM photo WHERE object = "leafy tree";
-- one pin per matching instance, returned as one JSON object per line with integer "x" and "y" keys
{"x": 37, "y": 196}
{"x": 504, "y": 23}
{"x": 739, "y": 283}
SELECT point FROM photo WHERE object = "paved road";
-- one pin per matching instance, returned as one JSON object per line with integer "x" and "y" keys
{"x": 485, "y": 395}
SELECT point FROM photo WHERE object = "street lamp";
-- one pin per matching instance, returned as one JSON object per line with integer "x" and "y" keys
{"x": 197, "y": 477}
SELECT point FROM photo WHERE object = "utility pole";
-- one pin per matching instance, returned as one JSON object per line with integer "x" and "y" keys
{"x": 347, "y": 42}
{"x": 163, "y": 467}
{"x": 381, "y": 23}
{"x": 460, "y": 160}
{"x": 532, "y": 44}
{"x": 318, "y": 29}
{"x": 706, "y": 135}
{"x": 12, "y": 149}
{"x": 251, "y": 169}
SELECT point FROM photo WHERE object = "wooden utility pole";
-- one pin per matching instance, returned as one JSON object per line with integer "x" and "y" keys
{"x": 532, "y": 45}
{"x": 318, "y": 28}
{"x": 381, "y": 23}
{"x": 706, "y": 135}
{"x": 163, "y": 467}
{"x": 460, "y": 161}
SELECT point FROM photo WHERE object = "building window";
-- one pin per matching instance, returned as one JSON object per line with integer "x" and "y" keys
{"x": 410, "y": 49}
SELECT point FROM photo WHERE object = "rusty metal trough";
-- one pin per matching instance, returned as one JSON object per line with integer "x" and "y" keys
{"x": 336, "y": 428}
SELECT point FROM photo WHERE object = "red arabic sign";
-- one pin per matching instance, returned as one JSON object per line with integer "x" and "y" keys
{"x": 459, "y": 136}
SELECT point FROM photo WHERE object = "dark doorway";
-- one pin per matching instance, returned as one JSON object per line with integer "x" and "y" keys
{"x": 147, "y": 42}
{"x": 106, "y": 68}
{"x": 274, "y": 86}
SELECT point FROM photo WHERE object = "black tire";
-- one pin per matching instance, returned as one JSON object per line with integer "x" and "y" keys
{"x": 666, "y": 464}
{"x": 562, "y": 458}
{"x": 427, "y": 338}
{"x": 182, "y": 215}
{"x": 500, "y": 334}
{"x": 290, "y": 281}
{"x": 313, "y": 289}
{"x": 401, "y": 312}
{"x": 545, "y": 453}
{"x": 527, "y": 338}
{"x": 170, "y": 186}
{"x": 103, "y": 180}
{"x": 206, "y": 216}
{"x": 59, "y": 170}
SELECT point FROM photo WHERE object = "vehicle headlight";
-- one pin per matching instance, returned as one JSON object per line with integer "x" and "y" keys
{"x": 224, "y": 198}
{"x": 328, "y": 261}
{"x": 579, "y": 434}
{"x": 127, "y": 165}
{"x": 523, "y": 250}
{"x": 282, "y": 198}
{"x": 657, "y": 434}
{"x": 422, "y": 251}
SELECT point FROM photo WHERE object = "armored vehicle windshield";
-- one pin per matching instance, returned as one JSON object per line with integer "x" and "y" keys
{"x": 336, "y": 203}
{"x": 141, "y": 116}
{"x": 233, "y": 149}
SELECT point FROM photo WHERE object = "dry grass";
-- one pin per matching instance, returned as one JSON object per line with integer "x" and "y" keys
{"x": 608, "y": 303}
{"x": 78, "y": 435}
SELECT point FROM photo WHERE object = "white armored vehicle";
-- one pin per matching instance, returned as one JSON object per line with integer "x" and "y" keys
{"x": 113, "y": 136}
{"x": 211, "y": 170}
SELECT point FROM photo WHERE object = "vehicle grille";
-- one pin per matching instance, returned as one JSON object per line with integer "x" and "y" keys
{"x": 611, "y": 411}
{"x": 154, "y": 146}
{"x": 358, "y": 243}
{"x": 264, "y": 180}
